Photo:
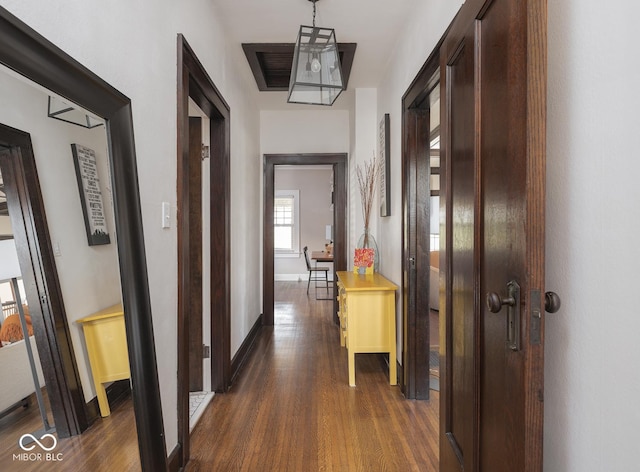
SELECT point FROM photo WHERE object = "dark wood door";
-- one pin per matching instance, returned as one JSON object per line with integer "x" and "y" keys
{"x": 195, "y": 255}
{"x": 493, "y": 74}
{"x": 416, "y": 252}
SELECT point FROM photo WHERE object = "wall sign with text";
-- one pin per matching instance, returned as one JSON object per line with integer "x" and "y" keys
{"x": 95, "y": 220}
{"x": 384, "y": 151}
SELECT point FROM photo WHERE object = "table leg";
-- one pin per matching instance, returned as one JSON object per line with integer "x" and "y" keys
{"x": 393, "y": 374}
{"x": 103, "y": 403}
{"x": 352, "y": 368}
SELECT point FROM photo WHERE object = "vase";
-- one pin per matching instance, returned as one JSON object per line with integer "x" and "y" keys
{"x": 368, "y": 241}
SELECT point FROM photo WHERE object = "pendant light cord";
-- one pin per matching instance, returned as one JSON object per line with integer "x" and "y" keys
{"x": 314, "y": 13}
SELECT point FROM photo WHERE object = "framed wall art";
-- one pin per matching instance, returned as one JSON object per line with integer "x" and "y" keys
{"x": 384, "y": 151}
{"x": 84, "y": 160}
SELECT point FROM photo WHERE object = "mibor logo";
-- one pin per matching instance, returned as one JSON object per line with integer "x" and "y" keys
{"x": 47, "y": 443}
{"x": 31, "y": 447}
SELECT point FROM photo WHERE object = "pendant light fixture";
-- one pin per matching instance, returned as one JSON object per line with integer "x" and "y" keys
{"x": 316, "y": 75}
{"x": 61, "y": 110}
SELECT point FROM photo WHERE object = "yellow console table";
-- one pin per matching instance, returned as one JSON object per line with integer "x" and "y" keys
{"x": 367, "y": 318}
{"x": 106, "y": 340}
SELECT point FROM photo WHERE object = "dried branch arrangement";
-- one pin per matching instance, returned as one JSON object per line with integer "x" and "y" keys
{"x": 368, "y": 176}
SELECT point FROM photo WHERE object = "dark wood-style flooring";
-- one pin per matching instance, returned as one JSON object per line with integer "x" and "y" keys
{"x": 291, "y": 408}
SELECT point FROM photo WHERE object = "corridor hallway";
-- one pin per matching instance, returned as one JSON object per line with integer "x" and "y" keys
{"x": 291, "y": 408}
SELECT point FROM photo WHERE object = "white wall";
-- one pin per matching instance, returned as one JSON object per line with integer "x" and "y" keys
{"x": 592, "y": 382}
{"x": 314, "y": 186}
{"x": 413, "y": 49}
{"x": 364, "y": 147}
{"x": 89, "y": 276}
{"x": 133, "y": 47}
{"x": 304, "y": 131}
{"x": 5, "y": 226}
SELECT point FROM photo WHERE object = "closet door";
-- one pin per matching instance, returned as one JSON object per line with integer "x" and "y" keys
{"x": 493, "y": 75}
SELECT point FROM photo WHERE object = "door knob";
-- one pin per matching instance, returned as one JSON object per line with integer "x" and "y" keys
{"x": 552, "y": 302}
{"x": 495, "y": 302}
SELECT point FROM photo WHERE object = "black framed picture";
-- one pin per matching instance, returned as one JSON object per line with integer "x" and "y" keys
{"x": 84, "y": 160}
{"x": 384, "y": 151}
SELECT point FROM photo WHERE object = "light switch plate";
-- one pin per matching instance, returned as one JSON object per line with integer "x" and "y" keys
{"x": 166, "y": 215}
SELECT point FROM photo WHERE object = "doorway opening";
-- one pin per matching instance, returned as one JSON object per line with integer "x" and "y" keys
{"x": 303, "y": 228}
{"x": 338, "y": 163}
{"x": 421, "y": 162}
{"x": 195, "y": 86}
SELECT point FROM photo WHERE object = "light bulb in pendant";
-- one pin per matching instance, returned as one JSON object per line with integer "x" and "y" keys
{"x": 315, "y": 65}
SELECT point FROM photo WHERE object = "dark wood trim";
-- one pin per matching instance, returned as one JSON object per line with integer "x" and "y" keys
{"x": 29, "y": 54}
{"x": 175, "y": 459}
{"x": 415, "y": 223}
{"x": 245, "y": 348}
{"x": 276, "y": 79}
{"x": 195, "y": 83}
{"x": 339, "y": 163}
{"x": 51, "y": 330}
{"x": 183, "y": 254}
{"x": 400, "y": 372}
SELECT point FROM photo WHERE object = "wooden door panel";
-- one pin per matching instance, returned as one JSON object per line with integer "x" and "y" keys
{"x": 459, "y": 345}
{"x": 494, "y": 77}
{"x": 502, "y": 150}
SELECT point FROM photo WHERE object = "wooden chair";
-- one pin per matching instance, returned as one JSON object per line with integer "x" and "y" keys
{"x": 315, "y": 272}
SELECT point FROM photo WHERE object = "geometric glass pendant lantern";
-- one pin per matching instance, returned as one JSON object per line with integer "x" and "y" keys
{"x": 63, "y": 111}
{"x": 316, "y": 75}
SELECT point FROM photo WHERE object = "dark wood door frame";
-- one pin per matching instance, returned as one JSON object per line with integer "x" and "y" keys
{"x": 51, "y": 330}
{"x": 195, "y": 83}
{"x": 29, "y": 54}
{"x": 339, "y": 163}
{"x": 415, "y": 223}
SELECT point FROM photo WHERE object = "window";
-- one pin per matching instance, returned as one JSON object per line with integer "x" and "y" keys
{"x": 286, "y": 222}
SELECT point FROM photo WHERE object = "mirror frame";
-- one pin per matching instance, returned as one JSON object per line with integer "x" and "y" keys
{"x": 28, "y": 53}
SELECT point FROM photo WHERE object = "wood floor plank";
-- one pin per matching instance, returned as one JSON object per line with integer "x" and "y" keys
{"x": 292, "y": 409}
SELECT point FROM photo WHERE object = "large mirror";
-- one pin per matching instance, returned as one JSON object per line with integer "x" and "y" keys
{"x": 28, "y": 57}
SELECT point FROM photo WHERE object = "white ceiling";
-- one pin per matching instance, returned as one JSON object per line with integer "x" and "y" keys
{"x": 373, "y": 24}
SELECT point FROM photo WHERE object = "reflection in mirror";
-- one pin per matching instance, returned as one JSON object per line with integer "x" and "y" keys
{"x": 26, "y": 52}
{"x": 76, "y": 193}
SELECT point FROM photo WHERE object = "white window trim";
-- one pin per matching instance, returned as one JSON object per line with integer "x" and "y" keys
{"x": 295, "y": 252}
